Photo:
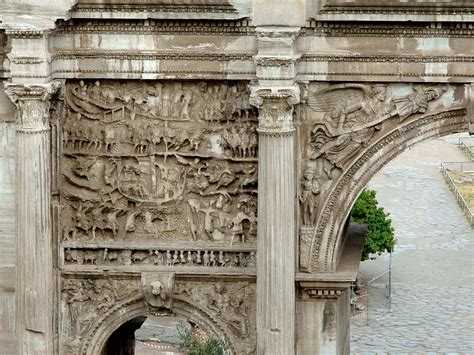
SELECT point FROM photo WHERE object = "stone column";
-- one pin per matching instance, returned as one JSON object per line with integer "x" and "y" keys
{"x": 34, "y": 265}
{"x": 276, "y": 243}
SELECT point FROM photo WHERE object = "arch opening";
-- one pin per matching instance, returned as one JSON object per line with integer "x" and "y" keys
{"x": 126, "y": 318}
{"x": 429, "y": 281}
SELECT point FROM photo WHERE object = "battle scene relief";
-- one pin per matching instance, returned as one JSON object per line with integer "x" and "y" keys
{"x": 158, "y": 163}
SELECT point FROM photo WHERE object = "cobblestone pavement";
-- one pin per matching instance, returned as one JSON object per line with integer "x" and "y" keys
{"x": 433, "y": 265}
{"x": 424, "y": 319}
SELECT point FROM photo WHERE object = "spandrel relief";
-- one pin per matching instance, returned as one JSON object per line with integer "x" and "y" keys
{"x": 232, "y": 303}
{"x": 160, "y": 161}
{"x": 342, "y": 120}
{"x": 86, "y": 300}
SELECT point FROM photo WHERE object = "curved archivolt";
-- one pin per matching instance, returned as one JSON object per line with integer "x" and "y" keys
{"x": 326, "y": 242}
{"x": 96, "y": 339}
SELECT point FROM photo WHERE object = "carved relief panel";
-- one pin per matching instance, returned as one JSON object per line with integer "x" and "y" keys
{"x": 91, "y": 307}
{"x": 339, "y": 124}
{"x": 168, "y": 166}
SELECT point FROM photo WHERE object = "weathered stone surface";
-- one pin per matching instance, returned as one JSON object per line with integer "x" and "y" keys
{"x": 138, "y": 182}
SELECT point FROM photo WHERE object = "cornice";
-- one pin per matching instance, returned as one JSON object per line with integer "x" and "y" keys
{"x": 392, "y": 8}
{"x": 154, "y": 8}
{"x": 380, "y": 29}
{"x": 21, "y": 33}
{"x": 76, "y": 55}
{"x": 189, "y": 27}
{"x": 417, "y": 75}
{"x": 387, "y": 58}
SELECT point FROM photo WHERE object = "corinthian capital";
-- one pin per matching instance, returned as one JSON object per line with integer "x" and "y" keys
{"x": 275, "y": 105}
{"x": 32, "y": 102}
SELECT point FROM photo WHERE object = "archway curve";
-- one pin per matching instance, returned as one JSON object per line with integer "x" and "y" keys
{"x": 327, "y": 240}
{"x": 96, "y": 339}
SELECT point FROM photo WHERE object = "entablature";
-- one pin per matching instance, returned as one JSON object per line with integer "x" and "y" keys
{"x": 394, "y": 10}
{"x": 162, "y": 9}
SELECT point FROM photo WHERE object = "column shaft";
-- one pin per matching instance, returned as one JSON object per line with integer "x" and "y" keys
{"x": 34, "y": 264}
{"x": 276, "y": 244}
{"x": 34, "y": 287}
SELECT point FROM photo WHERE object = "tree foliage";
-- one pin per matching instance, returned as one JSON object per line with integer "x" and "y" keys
{"x": 196, "y": 345}
{"x": 380, "y": 236}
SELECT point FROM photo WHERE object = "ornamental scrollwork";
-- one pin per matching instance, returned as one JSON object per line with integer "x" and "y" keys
{"x": 276, "y": 105}
{"x": 33, "y": 104}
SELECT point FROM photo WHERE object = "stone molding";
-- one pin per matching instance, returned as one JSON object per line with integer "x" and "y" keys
{"x": 173, "y": 8}
{"x": 430, "y": 29}
{"x": 275, "y": 106}
{"x": 397, "y": 10}
{"x": 188, "y": 27}
{"x": 33, "y": 104}
{"x": 288, "y": 34}
{"x": 155, "y": 55}
{"x": 245, "y": 27}
{"x": 29, "y": 33}
{"x": 317, "y": 292}
{"x": 387, "y": 58}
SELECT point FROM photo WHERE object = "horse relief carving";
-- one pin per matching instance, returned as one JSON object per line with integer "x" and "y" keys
{"x": 160, "y": 161}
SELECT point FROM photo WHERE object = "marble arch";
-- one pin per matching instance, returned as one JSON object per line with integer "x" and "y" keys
{"x": 220, "y": 141}
{"x": 129, "y": 309}
{"x": 363, "y": 168}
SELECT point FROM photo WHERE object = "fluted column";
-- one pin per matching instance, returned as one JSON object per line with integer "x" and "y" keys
{"x": 276, "y": 220}
{"x": 34, "y": 286}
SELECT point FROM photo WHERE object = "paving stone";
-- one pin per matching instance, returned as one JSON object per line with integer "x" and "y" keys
{"x": 432, "y": 289}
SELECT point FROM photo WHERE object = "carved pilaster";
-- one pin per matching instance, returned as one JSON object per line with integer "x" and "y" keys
{"x": 322, "y": 310}
{"x": 34, "y": 288}
{"x": 276, "y": 227}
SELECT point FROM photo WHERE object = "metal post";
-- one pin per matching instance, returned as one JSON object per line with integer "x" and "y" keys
{"x": 390, "y": 282}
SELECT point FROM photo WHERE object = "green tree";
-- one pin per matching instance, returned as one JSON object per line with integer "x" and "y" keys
{"x": 380, "y": 235}
{"x": 194, "y": 345}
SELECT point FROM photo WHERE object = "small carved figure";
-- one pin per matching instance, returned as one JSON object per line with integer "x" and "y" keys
{"x": 198, "y": 257}
{"x": 190, "y": 260}
{"x": 252, "y": 262}
{"x": 182, "y": 258}
{"x": 205, "y": 258}
{"x": 212, "y": 259}
{"x": 221, "y": 259}
{"x": 126, "y": 256}
{"x": 416, "y": 102}
{"x": 309, "y": 197}
{"x": 169, "y": 258}
{"x": 175, "y": 258}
